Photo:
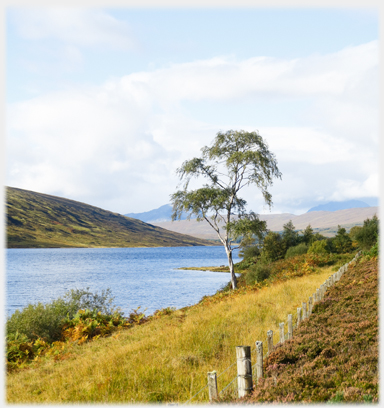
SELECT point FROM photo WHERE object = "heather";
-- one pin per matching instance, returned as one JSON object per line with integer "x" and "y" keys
{"x": 334, "y": 354}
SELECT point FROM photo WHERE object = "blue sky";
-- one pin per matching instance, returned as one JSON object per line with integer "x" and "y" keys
{"x": 103, "y": 104}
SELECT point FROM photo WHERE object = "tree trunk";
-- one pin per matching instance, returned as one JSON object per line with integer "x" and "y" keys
{"x": 231, "y": 268}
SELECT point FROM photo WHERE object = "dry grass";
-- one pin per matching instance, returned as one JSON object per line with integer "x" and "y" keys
{"x": 166, "y": 359}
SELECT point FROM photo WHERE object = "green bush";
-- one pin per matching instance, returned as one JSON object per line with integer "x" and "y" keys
{"x": 318, "y": 247}
{"x": 250, "y": 252}
{"x": 296, "y": 250}
{"x": 45, "y": 320}
{"x": 373, "y": 252}
{"x": 342, "y": 242}
{"x": 273, "y": 247}
{"x": 258, "y": 273}
{"x": 368, "y": 235}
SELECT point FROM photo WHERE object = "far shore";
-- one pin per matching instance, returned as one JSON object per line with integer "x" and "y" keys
{"x": 206, "y": 268}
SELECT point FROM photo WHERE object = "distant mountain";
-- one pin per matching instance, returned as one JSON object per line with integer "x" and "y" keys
{"x": 275, "y": 222}
{"x": 339, "y": 205}
{"x": 161, "y": 214}
{"x": 36, "y": 220}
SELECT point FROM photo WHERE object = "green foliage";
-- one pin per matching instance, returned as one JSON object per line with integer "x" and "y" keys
{"x": 318, "y": 247}
{"x": 273, "y": 247}
{"x": 339, "y": 397}
{"x": 296, "y": 250}
{"x": 373, "y": 252}
{"x": 234, "y": 160}
{"x": 353, "y": 231}
{"x": 289, "y": 235}
{"x": 317, "y": 237}
{"x": 342, "y": 243}
{"x": 307, "y": 235}
{"x": 46, "y": 320}
{"x": 258, "y": 273}
{"x": 368, "y": 235}
{"x": 20, "y": 349}
{"x": 250, "y": 252}
{"x": 87, "y": 324}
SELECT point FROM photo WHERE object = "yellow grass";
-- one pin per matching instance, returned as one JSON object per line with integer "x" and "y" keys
{"x": 167, "y": 359}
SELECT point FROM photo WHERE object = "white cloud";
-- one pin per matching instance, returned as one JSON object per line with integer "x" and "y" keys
{"x": 118, "y": 145}
{"x": 76, "y": 26}
{"x": 347, "y": 188}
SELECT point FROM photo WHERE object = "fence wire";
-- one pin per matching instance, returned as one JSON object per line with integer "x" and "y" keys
{"x": 228, "y": 385}
{"x": 198, "y": 392}
{"x": 227, "y": 369}
{"x": 294, "y": 327}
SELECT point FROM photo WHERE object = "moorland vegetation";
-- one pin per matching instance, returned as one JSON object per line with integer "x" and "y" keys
{"x": 80, "y": 348}
{"x": 36, "y": 220}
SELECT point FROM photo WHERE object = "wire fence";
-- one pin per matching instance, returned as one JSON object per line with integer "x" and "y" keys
{"x": 302, "y": 314}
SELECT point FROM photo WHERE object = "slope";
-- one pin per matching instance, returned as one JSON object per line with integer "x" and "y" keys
{"x": 319, "y": 220}
{"x": 333, "y": 355}
{"x": 36, "y": 220}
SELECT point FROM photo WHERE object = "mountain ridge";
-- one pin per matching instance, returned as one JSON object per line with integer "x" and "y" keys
{"x": 339, "y": 205}
{"x": 317, "y": 219}
{"x": 164, "y": 213}
{"x": 37, "y": 220}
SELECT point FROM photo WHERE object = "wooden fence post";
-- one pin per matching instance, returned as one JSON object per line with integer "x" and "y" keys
{"x": 270, "y": 341}
{"x": 318, "y": 295}
{"x": 290, "y": 327}
{"x": 244, "y": 370}
{"x": 282, "y": 339}
{"x": 212, "y": 386}
{"x": 304, "y": 306}
{"x": 322, "y": 287}
{"x": 309, "y": 306}
{"x": 298, "y": 316}
{"x": 259, "y": 360}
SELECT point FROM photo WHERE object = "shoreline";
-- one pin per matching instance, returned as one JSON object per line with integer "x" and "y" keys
{"x": 224, "y": 269}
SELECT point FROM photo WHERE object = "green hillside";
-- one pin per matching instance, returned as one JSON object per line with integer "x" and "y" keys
{"x": 37, "y": 220}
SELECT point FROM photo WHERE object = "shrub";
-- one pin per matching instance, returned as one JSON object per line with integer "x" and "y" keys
{"x": 87, "y": 324}
{"x": 342, "y": 242}
{"x": 273, "y": 247}
{"x": 296, "y": 250}
{"x": 373, "y": 252}
{"x": 258, "y": 273}
{"x": 367, "y": 236}
{"x": 45, "y": 320}
{"x": 318, "y": 247}
{"x": 20, "y": 350}
{"x": 250, "y": 252}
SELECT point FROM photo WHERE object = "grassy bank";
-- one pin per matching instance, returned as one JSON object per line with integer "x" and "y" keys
{"x": 168, "y": 358}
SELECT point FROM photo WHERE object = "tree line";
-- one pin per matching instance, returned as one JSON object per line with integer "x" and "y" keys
{"x": 290, "y": 242}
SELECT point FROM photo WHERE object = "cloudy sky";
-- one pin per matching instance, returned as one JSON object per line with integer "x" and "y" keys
{"x": 103, "y": 104}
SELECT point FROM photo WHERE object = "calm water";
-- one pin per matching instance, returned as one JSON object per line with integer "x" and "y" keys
{"x": 143, "y": 277}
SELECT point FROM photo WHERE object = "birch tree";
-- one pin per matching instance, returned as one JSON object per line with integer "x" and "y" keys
{"x": 234, "y": 160}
